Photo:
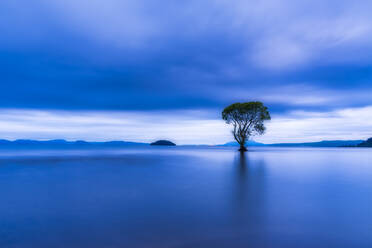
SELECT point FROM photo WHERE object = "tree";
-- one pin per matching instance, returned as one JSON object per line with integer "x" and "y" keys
{"x": 247, "y": 120}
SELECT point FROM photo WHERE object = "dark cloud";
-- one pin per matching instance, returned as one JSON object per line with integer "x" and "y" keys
{"x": 133, "y": 55}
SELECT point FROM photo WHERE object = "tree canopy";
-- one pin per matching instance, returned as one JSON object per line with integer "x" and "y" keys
{"x": 247, "y": 120}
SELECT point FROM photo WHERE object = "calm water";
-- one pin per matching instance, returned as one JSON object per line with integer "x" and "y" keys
{"x": 187, "y": 197}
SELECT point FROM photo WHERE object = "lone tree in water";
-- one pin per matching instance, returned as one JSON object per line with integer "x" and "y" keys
{"x": 247, "y": 119}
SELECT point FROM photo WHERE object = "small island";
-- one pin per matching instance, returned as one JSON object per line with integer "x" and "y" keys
{"x": 163, "y": 143}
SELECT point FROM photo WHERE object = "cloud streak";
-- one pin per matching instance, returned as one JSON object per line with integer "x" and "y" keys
{"x": 183, "y": 127}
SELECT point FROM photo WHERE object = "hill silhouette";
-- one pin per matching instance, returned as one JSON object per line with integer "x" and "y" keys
{"x": 163, "y": 143}
{"x": 324, "y": 143}
{"x": 367, "y": 143}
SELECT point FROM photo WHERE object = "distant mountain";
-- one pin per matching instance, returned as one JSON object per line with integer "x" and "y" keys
{"x": 367, "y": 143}
{"x": 81, "y": 144}
{"x": 63, "y": 144}
{"x": 249, "y": 143}
{"x": 163, "y": 143}
{"x": 324, "y": 143}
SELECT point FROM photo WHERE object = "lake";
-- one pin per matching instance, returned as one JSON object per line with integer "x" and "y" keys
{"x": 187, "y": 197}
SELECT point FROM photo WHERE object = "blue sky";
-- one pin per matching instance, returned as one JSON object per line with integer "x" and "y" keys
{"x": 142, "y": 70}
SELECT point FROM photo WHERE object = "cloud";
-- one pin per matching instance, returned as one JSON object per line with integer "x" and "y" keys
{"x": 160, "y": 55}
{"x": 278, "y": 53}
{"x": 304, "y": 96}
{"x": 301, "y": 126}
{"x": 181, "y": 126}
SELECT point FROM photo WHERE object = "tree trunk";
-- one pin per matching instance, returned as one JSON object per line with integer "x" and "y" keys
{"x": 242, "y": 148}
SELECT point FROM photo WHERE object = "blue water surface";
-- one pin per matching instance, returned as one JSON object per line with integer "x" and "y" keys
{"x": 186, "y": 197}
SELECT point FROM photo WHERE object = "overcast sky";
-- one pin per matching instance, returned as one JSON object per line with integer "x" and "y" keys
{"x": 140, "y": 70}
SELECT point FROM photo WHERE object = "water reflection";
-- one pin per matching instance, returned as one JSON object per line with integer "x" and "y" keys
{"x": 249, "y": 191}
{"x": 187, "y": 197}
{"x": 242, "y": 186}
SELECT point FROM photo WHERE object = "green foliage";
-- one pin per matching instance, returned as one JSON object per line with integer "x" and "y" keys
{"x": 247, "y": 120}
